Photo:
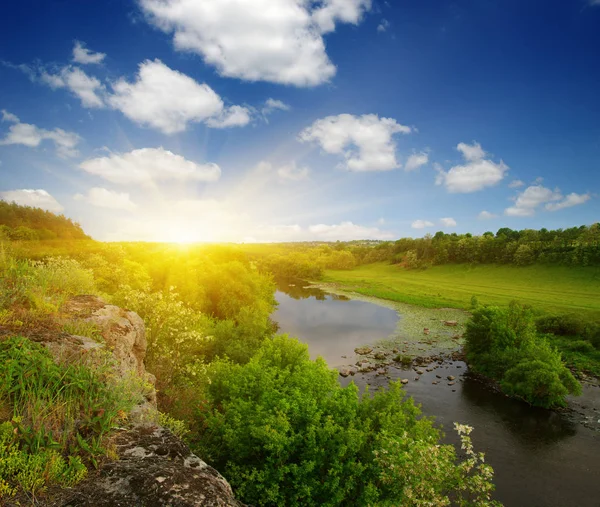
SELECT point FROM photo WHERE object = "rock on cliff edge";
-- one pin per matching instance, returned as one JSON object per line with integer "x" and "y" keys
{"x": 154, "y": 468}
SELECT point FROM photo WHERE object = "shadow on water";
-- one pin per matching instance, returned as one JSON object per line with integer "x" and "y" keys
{"x": 533, "y": 427}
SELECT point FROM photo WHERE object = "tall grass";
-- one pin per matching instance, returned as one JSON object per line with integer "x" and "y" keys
{"x": 64, "y": 410}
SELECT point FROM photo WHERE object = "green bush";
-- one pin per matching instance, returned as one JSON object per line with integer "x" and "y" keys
{"x": 61, "y": 412}
{"x": 21, "y": 470}
{"x": 504, "y": 344}
{"x": 284, "y": 432}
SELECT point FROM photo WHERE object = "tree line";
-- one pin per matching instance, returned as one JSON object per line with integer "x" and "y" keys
{"x": 25, "y": 223}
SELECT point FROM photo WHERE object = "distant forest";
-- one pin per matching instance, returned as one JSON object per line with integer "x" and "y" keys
{"x": 576, "y": 246}
{"x": 24, "y": 223}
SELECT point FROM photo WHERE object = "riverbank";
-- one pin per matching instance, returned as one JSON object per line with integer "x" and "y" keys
{"x": 428, "y": 338}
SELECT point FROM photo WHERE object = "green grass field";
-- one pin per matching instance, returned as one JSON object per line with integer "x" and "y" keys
{"x": 554, "y": 289}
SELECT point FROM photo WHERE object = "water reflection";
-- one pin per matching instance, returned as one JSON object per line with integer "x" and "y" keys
{"x": 332, "y": 326}
{"x": 299, "y": 289}
{"x": 534, "y": 427}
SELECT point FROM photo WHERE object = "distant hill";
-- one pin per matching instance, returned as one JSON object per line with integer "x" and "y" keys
{"x": 26, "y": 223}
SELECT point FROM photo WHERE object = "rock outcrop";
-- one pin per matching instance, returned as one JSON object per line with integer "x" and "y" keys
{"x": 123, "y": 331}
{"x": 154, "y": 468}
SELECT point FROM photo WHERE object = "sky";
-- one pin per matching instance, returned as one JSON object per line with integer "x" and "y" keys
{"x": 295, "y": 120}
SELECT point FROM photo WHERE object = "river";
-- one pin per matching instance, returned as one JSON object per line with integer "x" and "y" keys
{"x": 541, "y": 458}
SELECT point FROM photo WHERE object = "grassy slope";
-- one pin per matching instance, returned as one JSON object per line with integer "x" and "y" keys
{"x": 554, "y": 289}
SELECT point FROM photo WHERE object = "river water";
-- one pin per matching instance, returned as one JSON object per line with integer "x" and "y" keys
{"x": 541, "y": 458}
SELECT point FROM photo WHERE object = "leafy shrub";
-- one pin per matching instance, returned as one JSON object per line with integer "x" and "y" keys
{"x": 284, "y": 432}
{"x": 60, "y": 412}
{"x": 563, "y": 325}
{"x": 32, "y": 473}
{"x": 175, "y": 426}
{"x": 570, "y": 325}
{"x": 41, "y": 285}
{"x": 504, "y": 344}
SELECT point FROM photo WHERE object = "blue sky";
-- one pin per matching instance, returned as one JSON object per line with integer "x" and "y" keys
{"x": 262, "y": 120}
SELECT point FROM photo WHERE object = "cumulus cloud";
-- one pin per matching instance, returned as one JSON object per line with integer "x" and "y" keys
{"x": 366, "y": 142}
{"x": 103, "y": 198}
{"x": 516, "y": 184}
{"x": 421, "y": 224}
{"x": 293, "y": 173}
{"x": 32, "y": 136}
{"x": 486, "y": 215}
{"x": 530, "y": 199}
{"x": 35, "y": 198}
{"x": 448, "y": 222}
{"x": 168, "y": 100}
{"x": 88, "y": 89}
{"x": 83, "y": 55}
{"x": 572, "y": 199}
{"x": 263, "y": 40}
{"x": 149, "y": 165}
{"x": 416, "y": 160}
{"x": 477, "y": 173}
{"x": 534, "y": 196}
{"x": 234, "y": 116}
{"x": 346, "y": 231}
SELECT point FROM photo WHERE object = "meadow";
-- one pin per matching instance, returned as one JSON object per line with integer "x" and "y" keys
{"x": 550, "y": 289}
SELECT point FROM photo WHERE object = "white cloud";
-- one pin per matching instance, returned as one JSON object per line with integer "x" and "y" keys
{"x": 293, "y": 173}
{"x": 530, "y": 199}
{"x": 149, "y": 165}
{"x": 272, "y": 105}
{"x": 383, "y": 26}
{"x": 103, "y": 198}
{"x": 421, "y": 224}
{"x": 346, "y": 231}
{"x": 234, "y": 116}
{"x": 477, "y": 173}
{"x": 448, "y": 222}
{"x": 516, "y": 184}
{"x": 416, "y": 160}
{"x": 32, "y": 136}
{"x": 83, "y": 55}
{"x": 88, "y": 89}
{"x": 260, "y": 40}
{"x": 35, "y": 198}
{"x": 572, "y": 199}
{"x": 486, "y": 215}
{"x": 6, "y": 116}
{"x": 168, "y": 100}
{"x": 366, "y": 142}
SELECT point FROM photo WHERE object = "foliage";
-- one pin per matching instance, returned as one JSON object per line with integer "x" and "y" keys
{"x": 504, "y": 344}
{"x": 42, "y": 285}
{"x": 175, "y": 426}
{"x": 286, "y": 433}
{"x": 24, "y": 223}
{"x": 32, "y": 473}
{"x": 60, "y": 412}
